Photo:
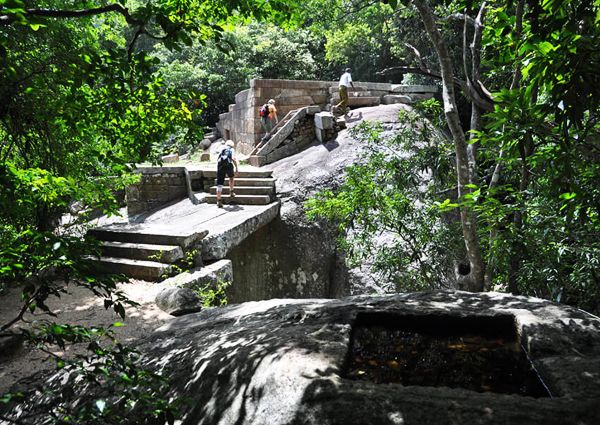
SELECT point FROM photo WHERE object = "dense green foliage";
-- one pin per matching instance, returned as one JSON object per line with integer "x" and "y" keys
{"x": 534, "y": 192}
{"x": 82, "y": 100}
{"x": 219, "y": 69}
{"x": 387, "y": 205}
{"x": 84, "y": 96}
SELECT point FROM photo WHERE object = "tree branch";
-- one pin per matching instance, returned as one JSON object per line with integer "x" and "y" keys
{"x": 21, "y": 313}
{"x": 409, "y": 69}
{"x": 82, "y": 13}
{"x": 476, "y": 93}
{"x": 460, "y": 17}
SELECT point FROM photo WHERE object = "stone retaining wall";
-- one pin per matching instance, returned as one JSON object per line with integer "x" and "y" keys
{"x": 157, "y": 186}
{"x": 242, "y": 122}
{"x": 160, "y": 185}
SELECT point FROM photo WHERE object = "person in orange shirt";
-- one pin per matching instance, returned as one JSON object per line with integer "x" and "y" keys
{"x": 270, "y": 120}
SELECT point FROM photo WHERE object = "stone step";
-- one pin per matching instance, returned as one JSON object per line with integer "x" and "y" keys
{"x": 396, "y": 98}
{"x": 140, "y": 251}
{"x": 138, "y": 269}
{"x": 353, "y": 95}
{"x": 270, "y": 182}
{"x": 116, "y": 234}
{"x": 243, "y": 174}
{"x": 335, "y": 89}
{"x": 246, "y": 190}
{"x": 240, "y": 199}
{"x": 359, "y": 101}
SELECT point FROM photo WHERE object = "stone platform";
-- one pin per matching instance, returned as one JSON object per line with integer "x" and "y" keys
{"x": 213, "y": 231}
{"x": 285, "y": 362}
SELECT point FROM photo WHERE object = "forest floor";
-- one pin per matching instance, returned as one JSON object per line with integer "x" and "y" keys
{"x": 81, "y": 307}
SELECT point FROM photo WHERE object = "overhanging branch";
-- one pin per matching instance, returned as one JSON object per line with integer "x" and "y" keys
{"x": 82, "y": 13}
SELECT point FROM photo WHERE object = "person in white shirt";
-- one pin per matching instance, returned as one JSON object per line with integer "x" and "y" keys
{"x": 345, "y": 80}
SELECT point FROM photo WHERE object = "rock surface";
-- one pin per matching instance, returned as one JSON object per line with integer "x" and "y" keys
{"x": 292, "y": 256}
{"x": 282, "y": 362}
{"x": 201, "y": 277}
{"x": 178, "y": 301}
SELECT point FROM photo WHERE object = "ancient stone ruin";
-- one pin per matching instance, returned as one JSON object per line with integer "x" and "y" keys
{"x": 421, "y": 358}
{"x": 242, "y": 122}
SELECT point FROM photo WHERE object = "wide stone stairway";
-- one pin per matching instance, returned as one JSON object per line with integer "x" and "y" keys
{"x": 256, "y": 187}
{"x": 147, "y": 255}
{"x": 162, "y": 242}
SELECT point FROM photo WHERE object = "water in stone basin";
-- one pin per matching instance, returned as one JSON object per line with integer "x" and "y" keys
{"x": 413, "y": 352}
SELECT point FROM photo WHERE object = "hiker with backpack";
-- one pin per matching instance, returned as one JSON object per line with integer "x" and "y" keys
{"x": 225, "y": 164}
{"x": 268, "y": 116}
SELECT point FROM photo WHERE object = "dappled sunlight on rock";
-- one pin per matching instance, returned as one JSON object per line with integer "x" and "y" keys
{"x": 281, "y": 361}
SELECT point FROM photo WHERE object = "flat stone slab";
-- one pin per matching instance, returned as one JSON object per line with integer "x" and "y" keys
{"x": 396, "y": 98}
{"x": 139, "y": 251}
{"x": 198, "y": 278}
{"x": 246, "y": 190}
{"x": 283, "y": 362}
{"x": 229, "y": 230}
{"x": 248, "y": 182}
{"x": 244, "y": 172}
{"x": 223, "y": 228}
{"x": 240, "y": 199}
{"x": 139, "y": 269}
{"x": 140, "y": 233}
{"x": 417, "y": 88}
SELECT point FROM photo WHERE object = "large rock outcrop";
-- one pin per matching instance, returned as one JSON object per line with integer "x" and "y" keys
{"x": 287, "y": 361}
{"x": 292, "y": 256}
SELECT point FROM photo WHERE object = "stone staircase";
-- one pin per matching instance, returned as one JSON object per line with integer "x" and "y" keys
{"x": 276, "y": 144}
{"x": 139, "y": 254}
{"x": 252, "y": 187}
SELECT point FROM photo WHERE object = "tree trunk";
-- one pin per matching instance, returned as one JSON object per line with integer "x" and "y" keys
{"x": 476, "y": 269}
{"x": 475, "y": 48}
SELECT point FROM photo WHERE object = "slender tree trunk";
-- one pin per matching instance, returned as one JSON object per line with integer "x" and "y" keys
{"x": 475, "y": 48}
{"x": 474, "y": 281}
{"x": 518, "y": 248}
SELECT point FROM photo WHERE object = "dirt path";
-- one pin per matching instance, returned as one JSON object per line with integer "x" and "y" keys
{"x": 80, "y": 307}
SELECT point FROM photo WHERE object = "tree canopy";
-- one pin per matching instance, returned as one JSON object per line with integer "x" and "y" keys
{"x": 88, "y": 89}
{"x": 527, "y": 158}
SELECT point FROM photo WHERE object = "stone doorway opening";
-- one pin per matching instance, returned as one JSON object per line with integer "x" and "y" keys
{"x": 478, "y": 353}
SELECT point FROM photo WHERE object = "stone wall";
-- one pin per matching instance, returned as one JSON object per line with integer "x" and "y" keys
{"x": 287, "y": 259}
{"x": 157, "y": 186}
{"x": 242, "y": 122}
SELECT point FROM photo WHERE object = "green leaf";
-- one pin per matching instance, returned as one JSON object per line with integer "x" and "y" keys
{"x": 546, "y": 47}
{"x": 126, "y": 378}
{"x": 36, "y": 27}
{"x": 567, "y": 196}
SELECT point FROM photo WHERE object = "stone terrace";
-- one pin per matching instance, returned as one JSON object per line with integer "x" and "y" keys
{"x": 242, "y": 122}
